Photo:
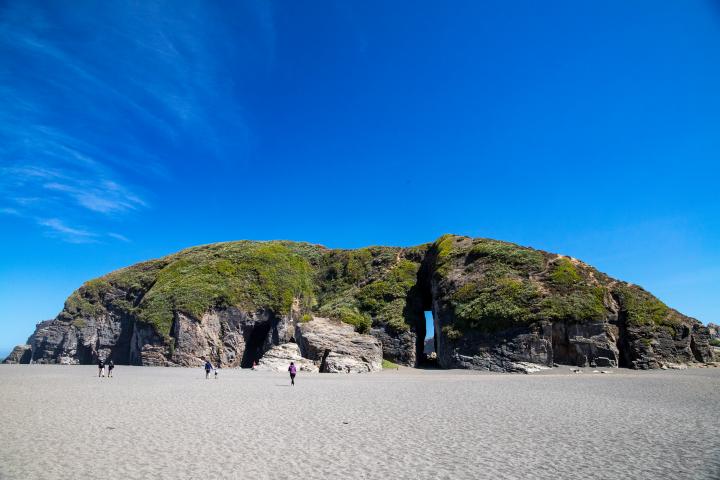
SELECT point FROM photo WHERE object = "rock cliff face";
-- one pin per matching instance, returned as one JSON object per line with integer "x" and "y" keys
{"x": 338, "y": 348}
{"x": 19, "y": 354}
{"x": 278, "y": 359}
{"x": 496, "y": 306}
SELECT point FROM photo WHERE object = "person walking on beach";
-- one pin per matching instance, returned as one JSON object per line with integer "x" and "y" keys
{"x": 293, "y": 370}
{"x": 101, "y": 367}
{"x": 111, "y": 365}
{"x": 208, "y": 367}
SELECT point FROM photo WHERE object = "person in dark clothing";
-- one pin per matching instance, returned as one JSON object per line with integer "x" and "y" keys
{"x": 208, "y": 367}
{"x": 111, "y": 365}
{"x": 293, "y": 370}
{"x": 101, "y": 367}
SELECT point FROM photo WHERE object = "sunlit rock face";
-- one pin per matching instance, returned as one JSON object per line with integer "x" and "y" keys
{"x": 495, "y": 306}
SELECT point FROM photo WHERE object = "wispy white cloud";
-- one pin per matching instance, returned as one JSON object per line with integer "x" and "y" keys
{"x": 117, "y": 236}
{"x": 10, "y": 211}
{"x": 88, "y": 190}
{"x": 69, "y": 234}
{"x": 105, "y": 197}
{"x": 91, "y": 120}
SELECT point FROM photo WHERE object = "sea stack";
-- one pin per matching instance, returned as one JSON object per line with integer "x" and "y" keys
{"x": 495, "y": 306}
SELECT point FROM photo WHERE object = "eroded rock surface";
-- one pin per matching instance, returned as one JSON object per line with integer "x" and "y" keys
{"x": 19, "y": 354}
{"x": 278, "y": 359}
{"x": 399, "y": 348}
{"x": 586, "y": 345}
{"x": 338, "y": 348}
{"x": 495, "y": 306}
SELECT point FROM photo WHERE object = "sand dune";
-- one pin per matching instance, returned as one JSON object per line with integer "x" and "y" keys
{"x": 64, "y": 422}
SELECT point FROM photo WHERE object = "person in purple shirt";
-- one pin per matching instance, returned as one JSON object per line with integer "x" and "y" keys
{"x": 293, "y": 370}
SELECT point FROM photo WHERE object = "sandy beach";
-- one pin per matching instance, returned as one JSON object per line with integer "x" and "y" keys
{"x": 64, "y": 422}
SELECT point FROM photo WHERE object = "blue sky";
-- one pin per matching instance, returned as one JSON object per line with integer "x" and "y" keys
{"x": 129, "y": 130}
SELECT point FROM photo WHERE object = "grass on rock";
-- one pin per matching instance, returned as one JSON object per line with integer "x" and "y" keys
{"x": 489, "y": 285}
{"x": 387, "y": 364}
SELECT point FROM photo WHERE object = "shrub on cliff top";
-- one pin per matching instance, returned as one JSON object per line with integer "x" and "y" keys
{"x": 444, "y": 249}
{"x": 641, "y": 308}
{"x": 564, "y": 274}
{"x": 244, "y": 274}
{"x": 395, "y": 284}
{"x": 385, "y": 300}
{"x": 452, "y": 333}
{"x": 362, "y": 322}
{"x": 373, "y": 283}
{"x": 359, "y": 265}
{"x": 525, "y": 259}
{"x": 494, "y": 304}
{"x": 582, "y": 304}
{"x": 87, "y": 300}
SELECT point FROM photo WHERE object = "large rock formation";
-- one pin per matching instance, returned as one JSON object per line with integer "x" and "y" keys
{"x": 338, "y": 348}
{"x": 278, "y": 359}
{"x": 19, "y": 354}
{"x": 496, "y": 306}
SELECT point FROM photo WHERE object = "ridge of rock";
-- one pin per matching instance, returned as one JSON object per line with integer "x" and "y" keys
{"x": 495, "y": 306}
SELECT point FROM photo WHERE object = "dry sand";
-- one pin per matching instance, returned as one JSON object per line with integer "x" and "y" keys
{"x": 64, "y": 422}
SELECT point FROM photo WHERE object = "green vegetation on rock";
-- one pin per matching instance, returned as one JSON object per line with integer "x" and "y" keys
{"x": 564, "y": 274}
{"x": 242, "y": 274}
{"x": 359, "y": 265}
{"x": 498, "y": 292}
{"x": 494, "y": 303}
{"x": 368, "y": 286}
{"x": 641, "y": 308}
{"x": 79, "y": 323}
{"x": 387, "y": 364}
{"x": 385, "y": 299}
{"x": 508, "y": 286}
{"x": 584, "y": 304}
{"x": 361, "y": 321}
{"x": 443, "y": 248}
{"x": 452, "y": 333}
{"x": 249, "y": 275}
{"x": 86, "y": 300}
{"x": 489, "y": 286}
{"x": 525, "y": 259}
